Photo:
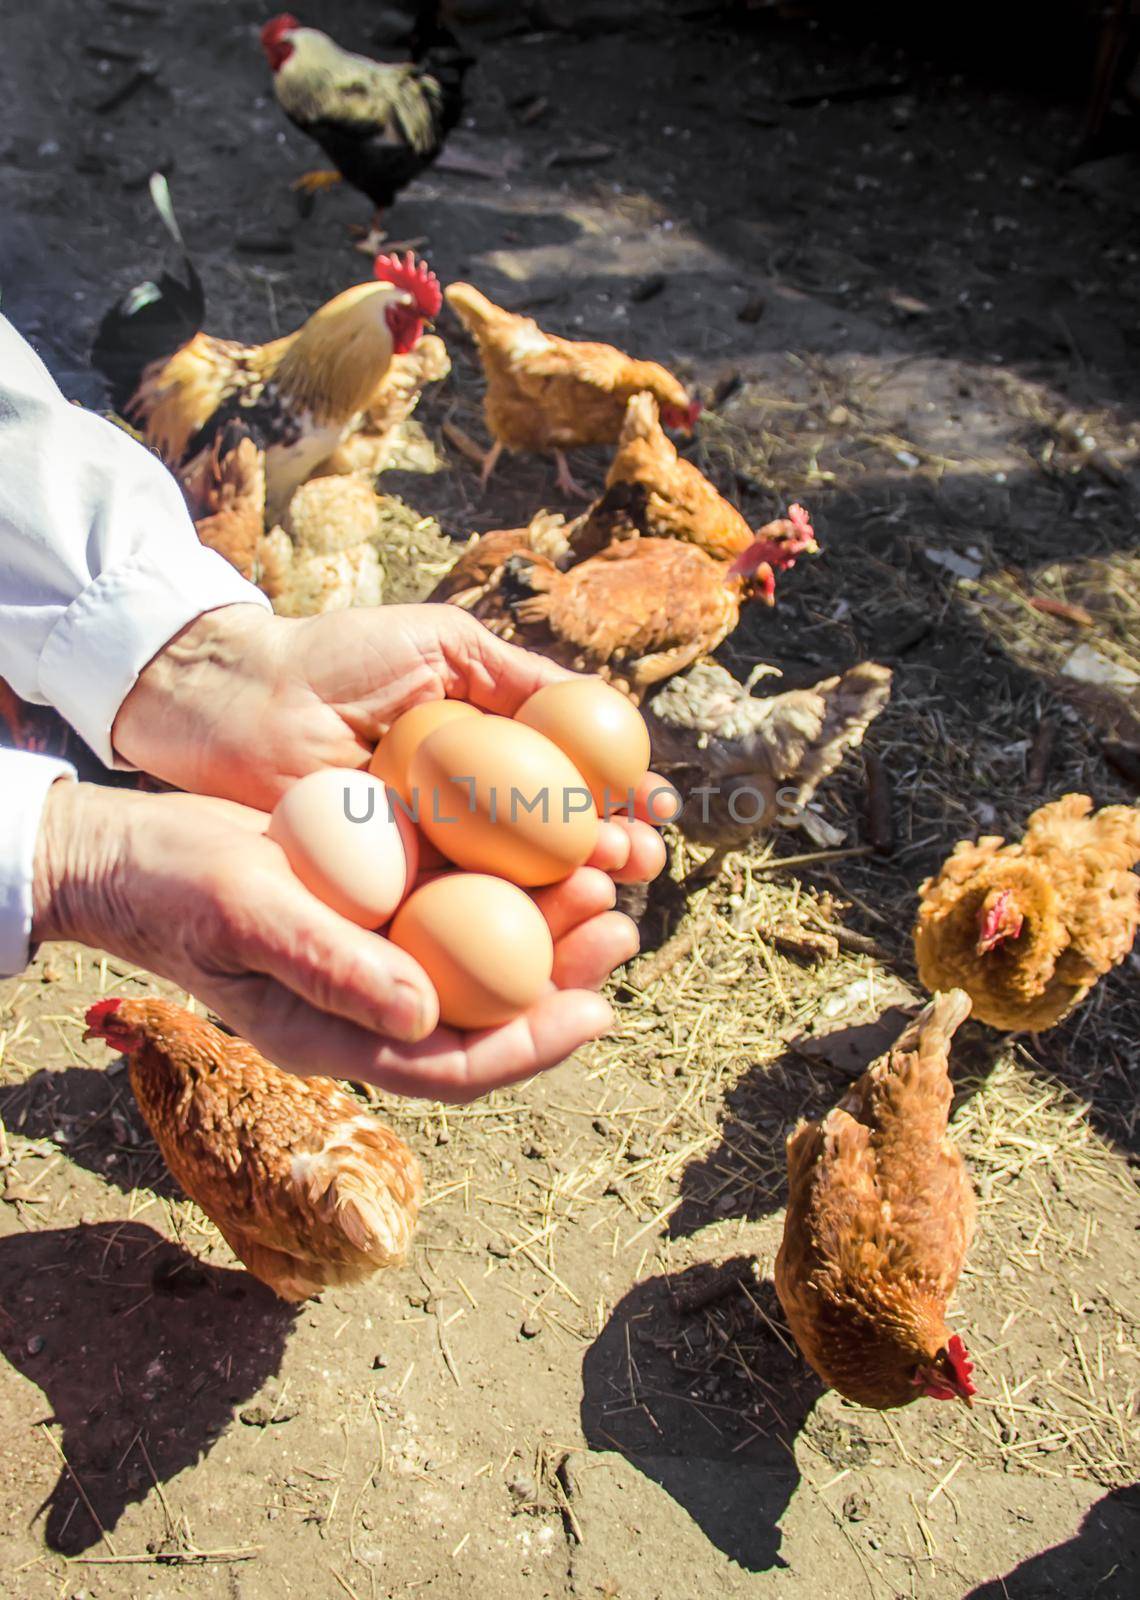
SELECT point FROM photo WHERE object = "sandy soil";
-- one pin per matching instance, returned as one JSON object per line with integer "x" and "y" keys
{"x": 908, "y": 315}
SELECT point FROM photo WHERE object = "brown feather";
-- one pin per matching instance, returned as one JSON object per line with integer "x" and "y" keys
{"x": 1071, "y": 881}
{"x": 880, "y": 1217}
{"x": 547, "y": 393}
{"x": 308, "y": 1188}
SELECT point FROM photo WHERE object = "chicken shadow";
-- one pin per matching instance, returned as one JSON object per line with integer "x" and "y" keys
{"x": 93, "y": 1117}
{"x": 1095, "y": 1561}
{"x": 663, "y": 1387}
{"x": 143, "y": 1355}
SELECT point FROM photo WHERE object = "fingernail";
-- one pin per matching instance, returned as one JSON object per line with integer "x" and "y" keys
{"x": 415, "y": 1013}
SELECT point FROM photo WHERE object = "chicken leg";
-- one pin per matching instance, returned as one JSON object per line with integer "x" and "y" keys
{"x": 566, "y": 480}
{"x": 490, "y": 462}
{"x": 372, "y": 237}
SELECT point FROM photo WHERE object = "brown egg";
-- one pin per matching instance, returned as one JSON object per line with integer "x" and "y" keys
{"x": 348, "y": 842}
{"x": 494, "y": 796}
{"x": 483, "y": 943}
{"x": 392, "y": 756}
{"x": 602, "y": 733}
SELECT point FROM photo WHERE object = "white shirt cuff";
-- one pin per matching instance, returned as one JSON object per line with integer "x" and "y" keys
{"x": 118, "y": 623}
{"x": 24, "y": 783}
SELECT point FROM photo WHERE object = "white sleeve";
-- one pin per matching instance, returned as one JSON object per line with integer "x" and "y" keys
{"x": 100, "y": 565}
{"x": 24, "y": 784}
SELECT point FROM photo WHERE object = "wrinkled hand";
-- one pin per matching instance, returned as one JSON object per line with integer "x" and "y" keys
{"x": 243, "y": 702}
{"x": 191, "y": 889}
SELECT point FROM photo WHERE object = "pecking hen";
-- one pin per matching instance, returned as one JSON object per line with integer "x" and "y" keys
{"x": 325, "y": 553}
{"x": 304, "y": 1185}
{"x": 1027, "y": 929}
{"x": 745, "y": 765}
{"x": 547, "y": 395}
{"x": 880, "y": 1217}
{"x": 680, "y": 501}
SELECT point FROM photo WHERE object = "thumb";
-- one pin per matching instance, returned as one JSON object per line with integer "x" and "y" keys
{"x": 498, "y": 676}
{"x": 335, "y": 966}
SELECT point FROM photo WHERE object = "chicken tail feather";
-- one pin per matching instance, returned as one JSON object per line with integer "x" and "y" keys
{"x": 154, "y": 318}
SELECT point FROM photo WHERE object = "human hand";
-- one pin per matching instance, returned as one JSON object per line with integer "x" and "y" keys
{"x": 191, "y": 889}
{"x": 241, "y": 703}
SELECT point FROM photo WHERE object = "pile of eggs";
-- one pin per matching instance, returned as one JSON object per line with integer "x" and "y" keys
{"x": 488, "y": 807}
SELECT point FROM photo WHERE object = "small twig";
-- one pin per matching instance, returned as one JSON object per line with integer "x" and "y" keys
{"x": 859, "y": 944}
{"x": 880, "y": 815}
{"x": 1038, "y": 764}
{"x": 169, "y": 1558}
{"x": 79, "y": 1489}
{"x": 781, "y": 863}
{"x": 644, "y": 973}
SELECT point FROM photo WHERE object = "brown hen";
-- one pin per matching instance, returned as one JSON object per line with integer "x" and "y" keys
{"x": 1027, "y": 929}
{"x": 547, "y": 395}
{"x": 226, "y": 495}
{"x": 306, "y": 1187}
{"x": 636, "y": 613}
{"x": 680, "y": 503}
{"x": 880, "y": 1217}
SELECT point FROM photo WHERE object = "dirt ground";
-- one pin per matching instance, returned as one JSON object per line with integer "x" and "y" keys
{"x": 911, "y": 315}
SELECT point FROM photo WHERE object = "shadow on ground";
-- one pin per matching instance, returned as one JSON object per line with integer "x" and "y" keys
{"x": 662, "y": 1385}
{"x": 143, "y": 1355}
{"x": 92, "y": 1116}
{"x": 1096, "y": 1561}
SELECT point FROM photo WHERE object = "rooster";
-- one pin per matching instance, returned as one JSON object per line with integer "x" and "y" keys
{"x": 550, "y": 394}
{"x": 154, "y": 317}
{"x": 382, "y": 440}
{"x": 299, "y": 395}
{"x": 1027, "y": 929}
{"x": 638, "y": 612}
{"x": 225, "y": 494}
{"x": 880, "y": 1217}
{"x": 380, "y": 123}
{"x": 306, "y": 1187}
{"x": 751, "y": 764}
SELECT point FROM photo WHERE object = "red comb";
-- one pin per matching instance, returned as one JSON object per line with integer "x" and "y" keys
{"x": 960, "y": 1363}
{"x": 414, "y": 276}
{"x": 100, "y": 1011}
{"x": 276, "y": 26}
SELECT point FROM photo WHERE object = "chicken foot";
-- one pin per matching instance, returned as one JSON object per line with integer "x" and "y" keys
{"x": 372, "y": 237}
{"x": 566, "y": 480}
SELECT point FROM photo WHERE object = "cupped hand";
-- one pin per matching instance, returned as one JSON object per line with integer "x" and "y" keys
{"x": 241, "y": 703}
{"x": 191, "y": 889}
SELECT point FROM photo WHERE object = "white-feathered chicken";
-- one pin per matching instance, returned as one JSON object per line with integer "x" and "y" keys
{"x": 745, "y": 765}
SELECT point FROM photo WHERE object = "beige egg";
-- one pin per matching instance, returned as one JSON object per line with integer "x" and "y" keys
{"x": 392, "y": 756}
{"x": 600, "y": 730}
{"x": 495, "y": 796}
{"x": 483, "y": 943}
{"x": 349, "y": 843}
